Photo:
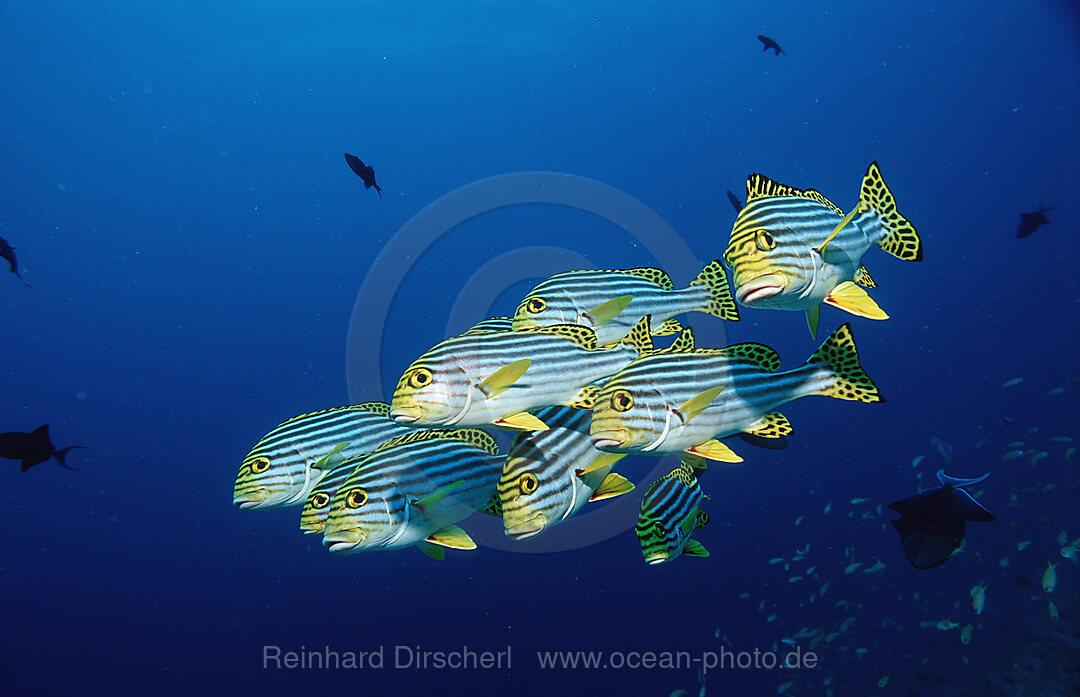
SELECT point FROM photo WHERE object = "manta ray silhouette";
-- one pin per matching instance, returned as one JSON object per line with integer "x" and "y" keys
{"x": 933, "y": 523}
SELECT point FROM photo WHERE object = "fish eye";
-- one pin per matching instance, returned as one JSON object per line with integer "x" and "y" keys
{"x": 356, "y": 498}
{"x": 260, "y": 465}
{"x": 622, "y": 400}
{"x": 765, "y": 241}
{"x": 528, "y": 483}
{"x": 421, "y": 377}
{"x": 320, "y": 500}
{"x": 535, "y": 306}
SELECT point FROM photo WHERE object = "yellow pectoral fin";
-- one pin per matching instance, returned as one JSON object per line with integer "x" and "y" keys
{"x": 613, "y": 485}
{"x": 607, "y": 311}
{"x": 696, "y": 405}
{"x": 714, "y": 450}
{"x": 813, "y": 316}
{"x": 602, "y": 460}
{"x": 429, "y": 502}
{"x": 837, "y": 229}
{"x": 851, "y": 298}
{"x": 504, "y": 377}
{"x": 522, "y": 421}
{"x": 434, "y": 551}
{"x": 452, "y": 536}
{"x": 331, "y": 459}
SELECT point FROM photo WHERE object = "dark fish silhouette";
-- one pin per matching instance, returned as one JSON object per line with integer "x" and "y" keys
{"x": 32, "y": 448}
{"x": 364, "y": 172}
{"x": 734, "y": 201}
{"x": 933, "y": 523}
{"x": 769, "y": 43}
{"x": 1030, "y": 222}
{"x": 7, "y": 252}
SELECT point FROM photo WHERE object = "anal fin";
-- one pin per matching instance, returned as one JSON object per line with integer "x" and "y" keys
{"x": 613, "y": 485}
{"x": 452, "y": 536}
{"x": 522, "y": 421}
{"x": 714, "y": 450}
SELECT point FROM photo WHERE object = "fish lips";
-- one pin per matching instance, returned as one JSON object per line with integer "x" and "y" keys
{"x": 657, "y": 558}
{"x": 759, "y": 289}
{"x": 527, "y": 528}
{"x": 607, "y": 440}
{"x": 343, "y": 541}
{"x": 406, "y": 414}
{"x": 251, "y": 499}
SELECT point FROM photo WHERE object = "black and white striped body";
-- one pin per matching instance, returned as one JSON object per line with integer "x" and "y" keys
{"x": 659, "y": 384}
{"x": 391, "y": 481}
{"x": 278, "y": 471}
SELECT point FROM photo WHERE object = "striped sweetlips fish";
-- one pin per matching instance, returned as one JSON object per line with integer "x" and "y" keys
{"x": 612, "y": 302}
{"x": 283, "y": 467}
{"x": 550, "y": 475}
{"x": 412, "y": 491}
{"x": 793, "y": 249}
{"x": 682, "y": 402}
{"x": 669, "y": 514}
{"x": 497, "y": 377}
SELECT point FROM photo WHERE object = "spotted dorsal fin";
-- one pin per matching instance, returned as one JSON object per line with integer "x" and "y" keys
{"x": 581, "y": 335}
{"x": 760, "y": 186}
{"x": 470, "y": 436}
{"x": 380, "y": 408}
{"x": 585, "y": 397}
{"x": 862, "y": 277}
{"x": 652, "y": 275}
{"x": 764, "y": 357}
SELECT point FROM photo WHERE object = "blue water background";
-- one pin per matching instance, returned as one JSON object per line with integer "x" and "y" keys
{"x": 174, "y": 186}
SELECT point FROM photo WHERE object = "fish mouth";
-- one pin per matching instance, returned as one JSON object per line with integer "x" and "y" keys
{"x": 406, "y": 414}
{"x": 608, "y": 439}
{"x": 342, "y": 541}
{"x": 527, "y": 528}
{"x": 657, "y": 558}
{"x": 759, "y": 289}
{"x": 313, "y": 528}
{"x": 250, "y": 499}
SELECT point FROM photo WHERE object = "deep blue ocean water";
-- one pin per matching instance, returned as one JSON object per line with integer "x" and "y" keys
{"x": 175, "y": 191}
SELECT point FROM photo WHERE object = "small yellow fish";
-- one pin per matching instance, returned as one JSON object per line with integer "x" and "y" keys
{"x": 1069, "y": 453}
{"x": 1053, "y": 610}
{"x": 965, "y": 634}
{"x": 1012, "y": 383}
{"x": 883, "y": 682}
{"x": 980, "y": 443}
{"x": 1055, "y": 391}
{"x": 858, "y": 501}
{"x": 776, "y": 560}
{"x": 1012, "y": 455}
{"x": 828, "y": 506}
{"x": 917, "y": 460}
{"x": 1061, "y": 439}
{"x": 1021, "y": 546}
{"x": 1049, "y": 579}
{"x": 946, "y": 625}
{"x": 852, "y": 568}
{"x": 1062, "y": 537}
{"x": 847, "y": 624}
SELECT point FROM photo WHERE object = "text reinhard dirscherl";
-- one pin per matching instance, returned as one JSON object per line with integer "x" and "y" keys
{"x": 397, "y": 657}
{"x": 402, "y": 657}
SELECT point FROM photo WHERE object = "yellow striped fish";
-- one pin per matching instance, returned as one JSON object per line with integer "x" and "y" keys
{"x": 793, "y": 249}
{"x": 673, "y": 402}
{"x": 497, "y": 377}
{"x": 283, "y": 467}
{"x": 669, "y": 514}
{"x": 412, "y": 491}
{"x": 612, "y": 302}
{"x": 550, "y": 475}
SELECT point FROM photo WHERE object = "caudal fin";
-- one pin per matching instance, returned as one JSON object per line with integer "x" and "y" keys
{"x": 721, "y": 304}
{"x": 841, "y": 357}
{"x": 62, "y": 453}
{"x": 901, "y": 239}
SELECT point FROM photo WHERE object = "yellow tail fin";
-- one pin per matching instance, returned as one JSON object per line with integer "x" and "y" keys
{"x": 721, "y": 303}
{"x": 901, "y": 239}
{"x": 840, "y": 355}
